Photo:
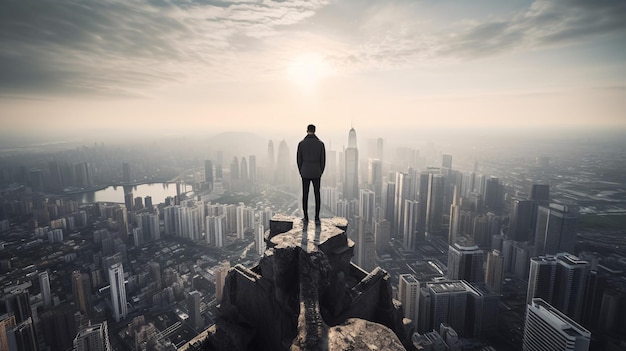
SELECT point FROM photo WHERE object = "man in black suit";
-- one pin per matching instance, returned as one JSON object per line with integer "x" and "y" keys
{"x": 311, "y": 159}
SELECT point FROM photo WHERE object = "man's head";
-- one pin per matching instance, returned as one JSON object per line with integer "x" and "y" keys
{"x": 310, "y": 129}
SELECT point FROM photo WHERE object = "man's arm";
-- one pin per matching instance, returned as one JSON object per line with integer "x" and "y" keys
{"x": 323, "y": 158}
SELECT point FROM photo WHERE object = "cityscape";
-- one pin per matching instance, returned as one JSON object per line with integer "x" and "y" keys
{"x": 528, "y": 236}
{"x": 154, "y": 156}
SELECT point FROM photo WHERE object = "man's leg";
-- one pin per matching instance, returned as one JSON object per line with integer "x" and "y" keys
{"x": 306, "y": 183}
{"x": 318, "y": 202}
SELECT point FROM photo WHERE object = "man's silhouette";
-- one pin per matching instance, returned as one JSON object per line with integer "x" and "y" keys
{"x": 311, "y": 159}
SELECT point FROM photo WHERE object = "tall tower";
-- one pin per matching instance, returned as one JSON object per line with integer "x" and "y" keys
{"x": 243, "y": 170}
{"x": 93, "y": 338}
{"x": 569, "y": 285}
{"x": 259, "y": 238}
{"x": 546, "y": 328}
{"x": 408, "y": 294}
{"x": 556, "y": 229}
{"x": 466, "y": 263}
{"x": 44, "y": 284}
{"x": 193, "y": 306}
{"x": 252, "y": 169}
{"x": 208, "y": 174}
{"x": 541, "y": 278}
{"x": 446, "y": 161}
{"x": 366, "y": 205}
{"x": 411, "y": 219}
{"x": 521, "y": 220}
{"x": 234, "y": 169}
{"x": 81, "y": 289}
{"x": 7, "y": 322}
{"x": 401, "y": 194}
{"x": 375, "y": 178}
{"x": 220, "y": 279}
{"x": 434, "y": 207}
{"x": 19, "y": 304}
{"x": 118, "y": 291}
{"x": 351, "y": 180}
{"x": 495, "y": 270}
{"x": 21, "y": 337}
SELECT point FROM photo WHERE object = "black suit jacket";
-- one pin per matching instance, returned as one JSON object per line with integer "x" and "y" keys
{"x": 311, "y": 157}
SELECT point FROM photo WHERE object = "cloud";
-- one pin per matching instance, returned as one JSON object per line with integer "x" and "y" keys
{"x": 117, "y": 46}
{"x": 120, "y": 47}
{"x": 544, "y": 24}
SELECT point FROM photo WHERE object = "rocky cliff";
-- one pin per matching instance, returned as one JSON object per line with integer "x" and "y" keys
{"x": 305, "y": 294}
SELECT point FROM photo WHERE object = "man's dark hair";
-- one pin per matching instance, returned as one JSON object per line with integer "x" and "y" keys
{"x": 310, "y": 128}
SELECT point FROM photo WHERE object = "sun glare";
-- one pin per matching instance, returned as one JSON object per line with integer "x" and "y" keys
{"x": 307, "y": 70}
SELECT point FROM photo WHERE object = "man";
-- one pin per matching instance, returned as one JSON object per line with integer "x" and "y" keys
{"x": 311, "y": 159}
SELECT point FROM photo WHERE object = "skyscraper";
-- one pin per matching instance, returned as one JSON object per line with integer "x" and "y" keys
{"x": 7, "y": 322}
{"x": 81, "y": 290}
{"x": 401, "y": 194}
{"x": 382, "y": 235}
{"x": 494, "y": 275}
{"x": 351, "y": 179}
{"x": 243, "y": 170}
{"x": 118, "y": 291}
{"x": 252, "y": 169}
{"x": 44, "y": 285}
{"x": 411, "y": 219}
{"x": 208, "y": 174}
{"x": 521, "y": 220}
{"x": 556, "y": 229}
{"x": 446, "y": 161}
{"x": 434, "y": 207}
{"x": 220, "y": 273}
{"x": 466, "y": 263}
{"x": 259, "y": 234}
{"x": 193, "y": 306}
{"x": 559, "y": 280}
{"x": 234, "y": 170}
{"x": 93, "y": 338}
{"x": 546, "y": 328}
{"x": 408, "y": 294}
{"x": 21, "y": 337}
{"x": 375, "y": 178}
{"x": 389, "y": 193}
{"x": 366, "y": 205}
{"x": 19, "y": 304}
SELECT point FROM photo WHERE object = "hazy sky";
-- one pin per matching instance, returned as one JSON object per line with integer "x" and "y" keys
{"x": 275, "y": 66}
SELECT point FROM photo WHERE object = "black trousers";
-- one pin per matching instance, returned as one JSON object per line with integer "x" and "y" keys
{"x": 306, "y": 183}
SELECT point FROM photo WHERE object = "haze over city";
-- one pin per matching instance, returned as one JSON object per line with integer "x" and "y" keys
{"x": 274, "y": 66}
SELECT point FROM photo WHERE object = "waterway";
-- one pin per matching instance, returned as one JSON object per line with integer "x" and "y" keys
{"x": 115, "y": 193}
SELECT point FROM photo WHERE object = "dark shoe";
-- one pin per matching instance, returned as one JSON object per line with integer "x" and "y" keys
{"x": 305, "y": 219}
{"x": 318, "y": 221}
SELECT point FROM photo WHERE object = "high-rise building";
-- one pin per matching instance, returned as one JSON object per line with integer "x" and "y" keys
{"x": 155, "y": 274}
{"x": 351, "y": 179}
{"x": 541, "y": 278}
{"x": 388, "y": 204}
{"x": 220, "y": 272}
{"x": 408, "y": 294}
{"x": 454, "y": 229}
{"x": 434, "y": 206}
{"x": 118, "y": 291}
{"x": 446, "y": 161}
{"x": 448, "y": 301}
{"x": 216, "y": 230}
{"x": 18, "y": 303}
{"x": 367, "y": 205}
{"x": 234, "y": 170}
{"x": 559, "y": 280}
{"x": 546, "y": 328}
{"x": 22, "y": 337}
{"x": 127, "y": 173}
{"x": 7, "y": 322}
{"x": 494, "y": 275}
{"x": 58, "y": 327}
{"x": 382, "y": 235}
{"x": 411, "y": 220}
{"x": 259, "y": 234}
{"x": 401, "y": 194}
{"x": 243, "y": 170}
{"x": 193, "y": 306}
{"x": 465, "y": 263}
{"x": 44, "y": 285}
{"x": 375, "y": 178}
{"x": 93, "y": 338}
{"x": 208, "y": 174}
{"x": 521, "y": 220}
{"x": 493, "y": 195}
{"x": 81, "y": 290}
{"x": 556, "y": 229}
